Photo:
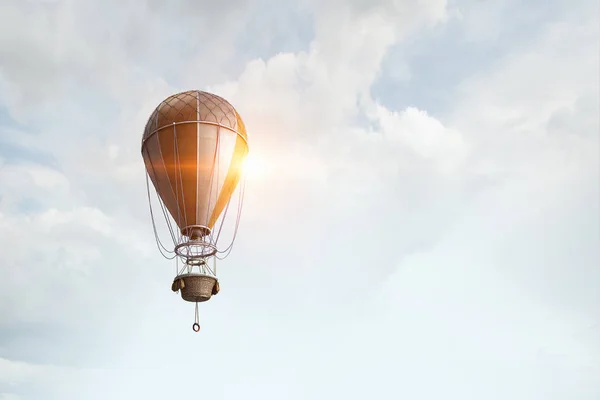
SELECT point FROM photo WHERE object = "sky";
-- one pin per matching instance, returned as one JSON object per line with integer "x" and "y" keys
{"x": 421, "y": 217}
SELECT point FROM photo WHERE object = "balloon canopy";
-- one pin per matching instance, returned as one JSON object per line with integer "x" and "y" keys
{"x": 193, "y": 146}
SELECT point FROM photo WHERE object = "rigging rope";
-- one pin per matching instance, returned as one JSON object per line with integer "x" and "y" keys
{"x": 196, "y": 326}
{"x": 158, "y": 241}
{"x": 237, "y": 222}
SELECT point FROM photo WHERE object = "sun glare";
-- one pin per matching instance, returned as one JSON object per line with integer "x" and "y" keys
{"x": 254, "y": 167}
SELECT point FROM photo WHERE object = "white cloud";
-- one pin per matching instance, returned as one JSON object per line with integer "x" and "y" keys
{"x": 14, "y": 372}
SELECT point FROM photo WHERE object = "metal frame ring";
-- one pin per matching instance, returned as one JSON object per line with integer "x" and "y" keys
{"x": 199, "y": 244}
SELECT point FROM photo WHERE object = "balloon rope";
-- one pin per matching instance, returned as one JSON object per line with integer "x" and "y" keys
{"x": 176, "y": 192}
{"x": 237, "y": 222}
{"x": 210, "y": 186}
{"x": 156, "y": 237}
{"x": 196, "y": 326}
{"x": 162, "y": 206}
{"x": 178, "y": 168}
{"x": 183, "y": 268}
{"x": 173, "y": 190}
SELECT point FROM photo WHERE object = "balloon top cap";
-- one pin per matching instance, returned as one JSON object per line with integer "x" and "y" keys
{"x": 194, "y": 106}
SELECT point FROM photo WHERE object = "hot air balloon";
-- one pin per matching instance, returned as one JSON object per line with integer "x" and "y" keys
{"x": 194, "y": 146}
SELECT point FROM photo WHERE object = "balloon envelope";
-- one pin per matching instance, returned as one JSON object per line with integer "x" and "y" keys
{"x": 193, "y": 147}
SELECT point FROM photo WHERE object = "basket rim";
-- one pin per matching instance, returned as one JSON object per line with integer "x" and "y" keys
{"x": 195, "y": 274}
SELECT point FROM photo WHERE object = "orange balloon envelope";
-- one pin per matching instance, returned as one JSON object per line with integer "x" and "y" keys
{"x": 193, "y": 146}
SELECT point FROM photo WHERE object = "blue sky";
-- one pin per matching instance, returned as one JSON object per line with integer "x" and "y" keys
{"x": 421, "y": 222}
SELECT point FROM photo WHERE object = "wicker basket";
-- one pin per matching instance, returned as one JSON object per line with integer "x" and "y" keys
{"x": 195, "y": 287}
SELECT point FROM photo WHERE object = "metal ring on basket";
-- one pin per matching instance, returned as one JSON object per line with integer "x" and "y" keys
{"x": 195, "y": 249}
